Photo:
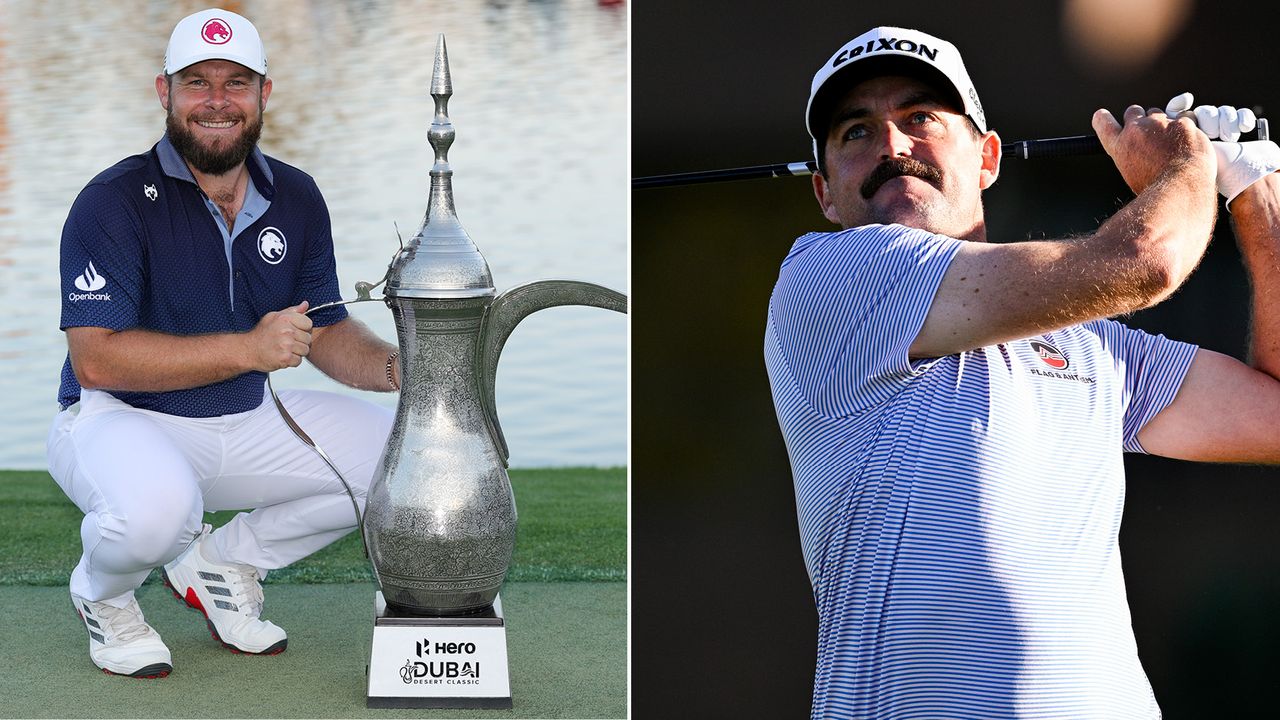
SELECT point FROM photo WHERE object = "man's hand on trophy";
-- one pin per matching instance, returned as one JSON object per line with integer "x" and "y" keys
{"x": 281, "y": 339}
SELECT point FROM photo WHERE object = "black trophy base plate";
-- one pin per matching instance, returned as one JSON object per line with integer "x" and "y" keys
{"x": 404, "y": 611}
{"x": 482, "y": 703}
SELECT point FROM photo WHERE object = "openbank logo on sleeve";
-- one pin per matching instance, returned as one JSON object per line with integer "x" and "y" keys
{"x": 89, "y": 281}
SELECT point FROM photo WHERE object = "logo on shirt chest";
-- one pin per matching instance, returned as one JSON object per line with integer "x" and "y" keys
{"x": 1050, "y": 355}
{"x": 272, "y": 246}
{"x": 1052, "y": 363}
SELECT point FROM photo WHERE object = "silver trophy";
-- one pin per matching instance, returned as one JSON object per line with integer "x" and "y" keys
{"x": 440, "y": 523}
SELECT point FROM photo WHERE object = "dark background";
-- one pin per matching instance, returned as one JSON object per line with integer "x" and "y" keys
{"x": 723, "y": 621}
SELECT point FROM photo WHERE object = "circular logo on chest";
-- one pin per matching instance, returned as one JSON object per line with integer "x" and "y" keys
{"x": 1050, "y": 355}
{"x": 272, "y": 246}
{"x": 216, "y": 31}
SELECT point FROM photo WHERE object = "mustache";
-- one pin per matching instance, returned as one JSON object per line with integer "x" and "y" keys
{"x": 898, "y": 167}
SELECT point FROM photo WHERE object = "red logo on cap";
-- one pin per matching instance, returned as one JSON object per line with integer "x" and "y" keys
{"x": 216, "y": 31}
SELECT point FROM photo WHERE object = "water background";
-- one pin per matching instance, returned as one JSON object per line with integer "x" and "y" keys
{"x": 540, "y": 176}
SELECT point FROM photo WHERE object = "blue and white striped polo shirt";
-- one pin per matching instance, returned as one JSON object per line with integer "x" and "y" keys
{"x": 959, "y": 516}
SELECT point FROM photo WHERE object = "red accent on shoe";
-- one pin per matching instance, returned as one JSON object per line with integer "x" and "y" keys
{"x": 194, "y": 601}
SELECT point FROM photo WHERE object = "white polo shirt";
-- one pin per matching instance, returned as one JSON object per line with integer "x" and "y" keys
{"x": 959, "y": 516}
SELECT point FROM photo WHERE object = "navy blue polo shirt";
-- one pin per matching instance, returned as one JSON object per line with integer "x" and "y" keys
{"x": 143, "y": 247}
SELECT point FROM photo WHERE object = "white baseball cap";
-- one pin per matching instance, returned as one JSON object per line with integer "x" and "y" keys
{"x": 888, "y": 51}
{"x": 215, "y": 35}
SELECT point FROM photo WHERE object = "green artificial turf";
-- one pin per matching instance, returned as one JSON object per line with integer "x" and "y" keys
{"x": 566, "y": 649}
{"x": 572, "y": 528}
{"x": 566, "y": 630}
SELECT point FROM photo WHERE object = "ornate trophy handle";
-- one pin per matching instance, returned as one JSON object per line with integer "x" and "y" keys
{"x": 514, "y": 305}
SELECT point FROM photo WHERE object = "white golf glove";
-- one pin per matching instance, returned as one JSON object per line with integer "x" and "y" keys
{"x": 1240, "y": 164}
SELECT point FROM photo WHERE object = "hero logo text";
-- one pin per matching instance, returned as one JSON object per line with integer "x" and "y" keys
{"x": 438, "y": 670}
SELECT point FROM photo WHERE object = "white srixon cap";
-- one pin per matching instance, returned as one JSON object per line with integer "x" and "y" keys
{"x": 889, "y": 51}
{"x": 215, "y": 35}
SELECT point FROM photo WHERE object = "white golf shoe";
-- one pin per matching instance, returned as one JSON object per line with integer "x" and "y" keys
{"x": 120, "y": 640}
{"x": 230, "y": 598}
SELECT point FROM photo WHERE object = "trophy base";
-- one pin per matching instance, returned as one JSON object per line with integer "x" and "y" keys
{"x": 413, "y": 611}
{"x": 418, "y": 661}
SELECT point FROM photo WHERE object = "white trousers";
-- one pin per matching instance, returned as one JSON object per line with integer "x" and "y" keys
{"x": 143, "y": 480}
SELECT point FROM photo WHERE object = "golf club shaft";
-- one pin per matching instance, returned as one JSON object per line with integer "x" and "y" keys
{"x": 1021, "y": 149}
{"x": 709, "y": 176}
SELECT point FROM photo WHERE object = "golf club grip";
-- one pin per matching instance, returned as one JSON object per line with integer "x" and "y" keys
{"x": 1054, "y": 147}
{"x": 1083, "y": 145}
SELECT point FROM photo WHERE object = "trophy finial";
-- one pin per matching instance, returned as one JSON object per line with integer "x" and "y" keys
{"x": 441, "y": 133}
{"x": 440, "y": 261}
{"x": 440, "y": 82}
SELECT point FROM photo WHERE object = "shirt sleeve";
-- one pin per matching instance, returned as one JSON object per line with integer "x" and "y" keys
{"x": 1152, "y": 368}
{"x": 101, "y": 261}
{"x": 318, "y": 278}
{"x": 847, "y": 307}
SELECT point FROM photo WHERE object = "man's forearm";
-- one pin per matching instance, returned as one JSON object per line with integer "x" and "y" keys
{"x": 145, "y": 361}
{"x": 349, "y": 352}
{"x": 1256, "y": 220}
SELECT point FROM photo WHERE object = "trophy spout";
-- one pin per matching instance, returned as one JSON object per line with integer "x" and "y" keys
{"x": 514, "y": 305}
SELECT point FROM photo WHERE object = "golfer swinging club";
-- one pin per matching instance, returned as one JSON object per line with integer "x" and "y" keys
{"x": 955, "y": 410}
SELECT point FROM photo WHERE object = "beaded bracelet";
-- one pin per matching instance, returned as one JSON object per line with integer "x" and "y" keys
{"x": 391, "y": 359}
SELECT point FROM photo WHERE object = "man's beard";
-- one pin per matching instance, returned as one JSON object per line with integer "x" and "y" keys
{"x": 212, "y": 160}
